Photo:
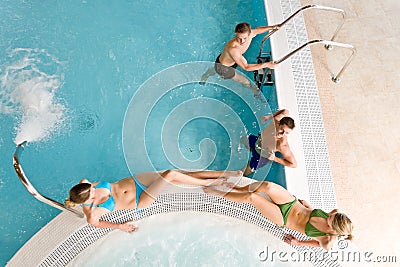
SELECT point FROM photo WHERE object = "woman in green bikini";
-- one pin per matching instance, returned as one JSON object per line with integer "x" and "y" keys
{"x": 286, "y": 210}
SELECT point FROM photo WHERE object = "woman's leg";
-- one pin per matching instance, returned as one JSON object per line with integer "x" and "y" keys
{"x": 267, "y": 208}
{"x": 276, "y": 193}
{"x": 156, "y": 182}
{"x": 214, "y": 174}
{"x": 248, "y": 170}
{"x": 147, "y": 178}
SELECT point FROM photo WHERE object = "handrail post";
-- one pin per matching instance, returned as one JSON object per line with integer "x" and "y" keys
{"x": 31, "y": 189}
{"x": 335, "y": 78}
{"x": 303, "y": 9}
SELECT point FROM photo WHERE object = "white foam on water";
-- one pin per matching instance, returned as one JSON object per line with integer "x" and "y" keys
{"x": 29, "y": 80}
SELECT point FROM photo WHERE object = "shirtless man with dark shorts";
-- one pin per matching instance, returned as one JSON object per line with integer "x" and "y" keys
{"x": 232, "y": 55}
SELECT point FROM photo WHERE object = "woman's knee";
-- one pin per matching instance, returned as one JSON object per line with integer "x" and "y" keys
{"x": 265, "y": 187}
{"x": 251, "y": 197}
{"x": 169, "y": 175}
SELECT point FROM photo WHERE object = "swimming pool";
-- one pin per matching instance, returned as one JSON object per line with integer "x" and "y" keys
{"x": 70, "y": 70}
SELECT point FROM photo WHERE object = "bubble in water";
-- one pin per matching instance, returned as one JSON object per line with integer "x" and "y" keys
{"x": 87, "y": 120}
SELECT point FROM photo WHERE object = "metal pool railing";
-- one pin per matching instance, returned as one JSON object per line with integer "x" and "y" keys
{"x": 31, "y": 189}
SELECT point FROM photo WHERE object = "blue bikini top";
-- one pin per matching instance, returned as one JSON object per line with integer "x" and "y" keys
{"x": 109, "y": 203}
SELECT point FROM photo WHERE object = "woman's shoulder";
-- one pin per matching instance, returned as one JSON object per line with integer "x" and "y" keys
{"x": 92, "y": 183}
{"x": 326, "y": 241}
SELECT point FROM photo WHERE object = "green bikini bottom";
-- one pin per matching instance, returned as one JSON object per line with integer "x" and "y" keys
{"x": 285, "y": 209}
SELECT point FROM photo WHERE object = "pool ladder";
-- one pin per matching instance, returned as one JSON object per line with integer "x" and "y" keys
{"x": 31, "y": 189}
{"x": 263, "y": 77}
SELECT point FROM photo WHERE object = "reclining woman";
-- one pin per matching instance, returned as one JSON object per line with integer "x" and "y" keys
{"x": 99, "y": 198}
{"x": 287, "y": 211}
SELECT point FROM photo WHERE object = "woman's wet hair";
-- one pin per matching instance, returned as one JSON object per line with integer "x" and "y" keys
{"x": 243, "y": 27}
{"x": 343, "y": 225}
{"x": 289, "y": 122}
{"x": 78, "y": 194}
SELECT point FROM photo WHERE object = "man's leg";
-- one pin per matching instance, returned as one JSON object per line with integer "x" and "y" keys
{"x": 208, "y": 73}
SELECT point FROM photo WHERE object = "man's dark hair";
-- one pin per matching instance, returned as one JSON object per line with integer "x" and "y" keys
{"x": 289, "y": 122}
{"x": 243, "y": 28}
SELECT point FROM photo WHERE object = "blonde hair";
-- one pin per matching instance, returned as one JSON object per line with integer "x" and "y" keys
{"x": 343, "y": 226}
{"x": 78, "y": 194}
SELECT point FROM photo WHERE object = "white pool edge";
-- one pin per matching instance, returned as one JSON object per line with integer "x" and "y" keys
{"x": 68, "y": 245}
{"x": 296, "y": 179}
{"x": 297, "y": 91}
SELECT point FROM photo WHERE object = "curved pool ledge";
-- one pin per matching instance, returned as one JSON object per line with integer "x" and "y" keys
{"x": 66, "y": 236}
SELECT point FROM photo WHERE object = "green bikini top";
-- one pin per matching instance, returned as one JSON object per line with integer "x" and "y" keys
{"x": 311, "y": 231}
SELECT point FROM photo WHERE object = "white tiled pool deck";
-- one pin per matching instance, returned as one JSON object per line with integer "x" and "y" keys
{"x": 361, "y": 117}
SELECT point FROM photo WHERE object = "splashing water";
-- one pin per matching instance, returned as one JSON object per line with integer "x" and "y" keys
{"x": 29, "y": 80}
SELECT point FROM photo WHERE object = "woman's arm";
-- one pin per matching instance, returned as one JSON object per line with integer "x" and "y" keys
{"x": 291, "y": 240}
{"x": 127, "y": 227}
{"x": 305, "y": 203}
{"x": 325, "y": 242}
{"x": 93, "y": 218}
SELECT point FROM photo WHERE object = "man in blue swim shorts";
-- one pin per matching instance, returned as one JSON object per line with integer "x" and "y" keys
{"x": 272, "y": 139}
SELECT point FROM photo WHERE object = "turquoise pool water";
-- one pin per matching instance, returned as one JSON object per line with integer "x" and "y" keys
{"x": 68, "y": 72}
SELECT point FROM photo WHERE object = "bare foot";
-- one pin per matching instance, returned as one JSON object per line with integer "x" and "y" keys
{"x": 233, "y": 174}
{"x": 258, "y": 95}
{"x": 256, "y": 91}
{"x": 207, "y": 189}
{"x": 205, "y": 76}
{"x": 231, "y": 185}
{"x": 212, "y": 191}
{"x": 218, "y": 181}
{"x": 241, "y": 188}
{"x": 245, "y": 141}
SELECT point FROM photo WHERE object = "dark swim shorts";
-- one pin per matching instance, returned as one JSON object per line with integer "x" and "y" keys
{"x": 224, "y": 71}
{"x": 256, "y": 160}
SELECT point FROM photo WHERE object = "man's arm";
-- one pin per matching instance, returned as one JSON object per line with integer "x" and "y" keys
{"x": 280, "y": 114}
{"x": 242, "y": 62}
{"x": 263, "y": 29}
{"x": 288, "y": 159}
{"x": 277, "y": 115}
